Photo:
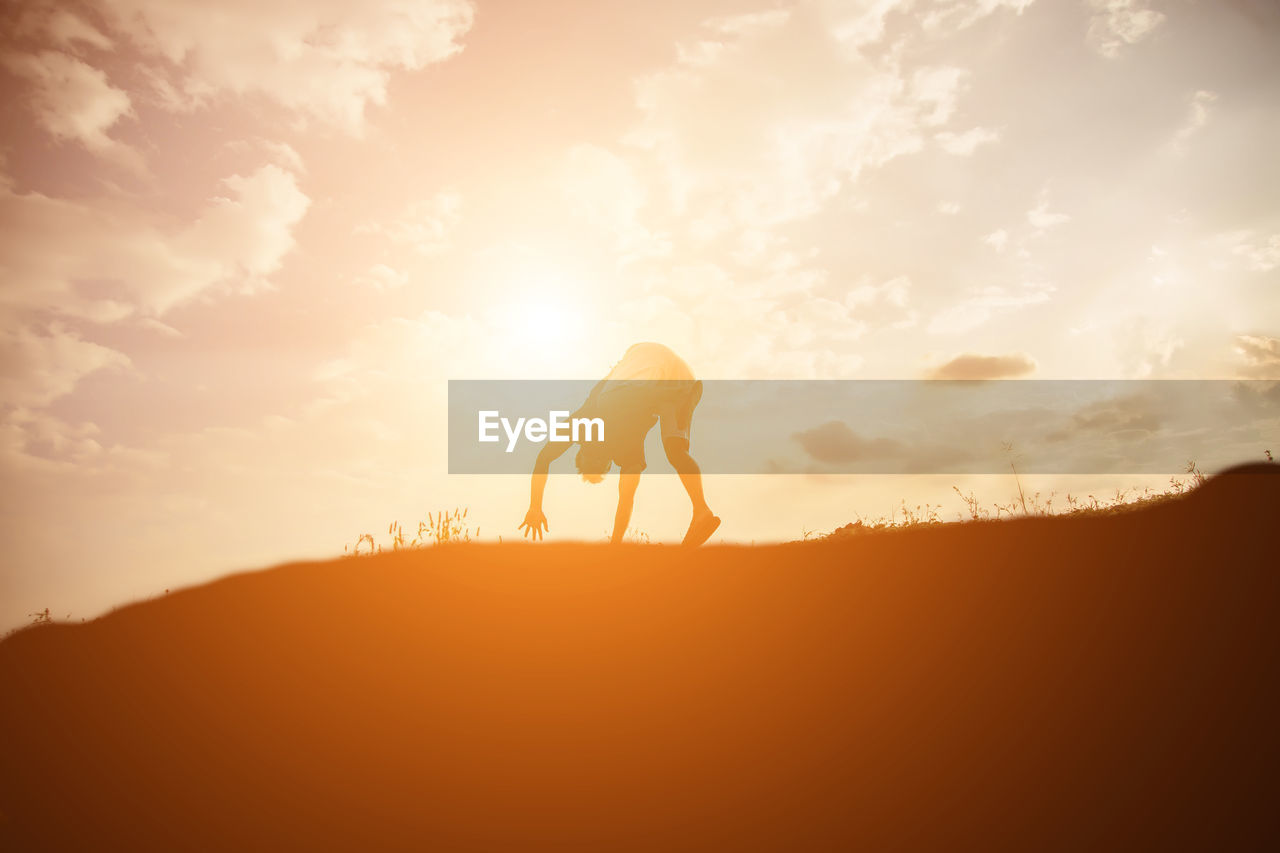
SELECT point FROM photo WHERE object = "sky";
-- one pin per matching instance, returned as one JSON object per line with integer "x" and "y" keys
{"x": 244, "y": 245}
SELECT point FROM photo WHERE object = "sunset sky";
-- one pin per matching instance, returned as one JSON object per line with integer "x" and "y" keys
{"x": 244, "y": 245}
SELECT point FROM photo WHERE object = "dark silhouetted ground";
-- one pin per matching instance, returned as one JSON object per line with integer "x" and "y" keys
{"x": 1041, "y": 684}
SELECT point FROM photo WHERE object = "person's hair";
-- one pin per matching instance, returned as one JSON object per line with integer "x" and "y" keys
{"x": 592, "y": 462}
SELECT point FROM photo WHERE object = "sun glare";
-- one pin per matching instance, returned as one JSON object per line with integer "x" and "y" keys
{"x": 542, "y": 314}
{"x": 540, "y": 333}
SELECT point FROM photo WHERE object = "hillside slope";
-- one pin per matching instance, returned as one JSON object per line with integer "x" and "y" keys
{"x": 1035, "y": 684}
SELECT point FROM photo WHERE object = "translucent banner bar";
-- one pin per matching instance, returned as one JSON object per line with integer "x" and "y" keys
{"x": 866, "y": 426}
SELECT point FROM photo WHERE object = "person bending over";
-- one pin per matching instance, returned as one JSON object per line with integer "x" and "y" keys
{"x": 650, "y": 385}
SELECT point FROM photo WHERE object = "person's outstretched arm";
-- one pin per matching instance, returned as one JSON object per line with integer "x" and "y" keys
{"x": 535, "y": 523}
{"x": 627, "y": 484}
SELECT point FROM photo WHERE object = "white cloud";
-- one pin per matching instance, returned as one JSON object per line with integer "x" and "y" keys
{"x": 282, "y": 154}
{"x": 1197, "y": 118}
{"x": 38, "y": 367}
{"x": 386, "y": 354}
{"x": 73, "y": 100}
{"x": 755, "y": 244}
{"x": 31, "y": 439}
{"x": 60, "y": 457}
{"x": 895, "y": 291}
{"x": 997, "y": 239}
{"x": 746, "y": 137}
{"x": 154, "y": 325}
{"x": 884, "y": 305}
{"x": 326, "y": 59}
{"x": 604, "y": 192}
{"x": 857, "y": 24}
{"x": 1261, "y": 354}
{"x": 245, "y": 235}
{"x": 950, "y": 17}
{"x": 424, "y": 225}
{"x": 103, "y": 262}
{"x": 751, "y": 22}
{"x": 45, "y": 22}
{"x": 752, "y": 324}
{"x": 1242, "y": 248}
{"x": 948, "y": 208}
{"x": 1041, "y": 217}
{"x": 964, "y": 144}
{"x": 1261, "y": 254}
{"x": 1117, "y": 23}
{"x": 602, "y": 185}
{"x": 67, "y": 29}
{"x": 937, "y": 89}
{"x": 1146, "y": 344}
{"x": 984, "y": 303}
{"x": 382, "y": 277}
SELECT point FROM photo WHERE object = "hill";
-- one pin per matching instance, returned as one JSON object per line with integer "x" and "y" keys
{"x": 1032, "y": 684}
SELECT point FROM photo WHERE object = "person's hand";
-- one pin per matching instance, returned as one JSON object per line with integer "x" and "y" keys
{"x": 535, "y": 524}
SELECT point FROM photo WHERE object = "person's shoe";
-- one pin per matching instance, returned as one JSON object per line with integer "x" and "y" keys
{"x": 700, "y": 530}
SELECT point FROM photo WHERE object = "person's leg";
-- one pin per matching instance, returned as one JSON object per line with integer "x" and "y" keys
{"x": 676, "y": 427}
{"x": 690, "y": 474}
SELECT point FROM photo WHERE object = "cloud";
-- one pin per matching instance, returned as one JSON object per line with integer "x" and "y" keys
{"x": 58, "y": 459}
{"x": 383, "y": 277}
{"x": 859, "y": 25}
{"x": 835, "y": 446}
{"x": 746, "y": 137}
{"x": 602, "y": 185}
{"x": 424, "y": 225}
{"x": 984, "y": 303}
{"x": 756, "y": 323}
{"x": 835, "y": 443}
{"x": 1041, "y": 217}
{"x": 745, "y": 152}
{"x": 997, "y": 239}
{"x": 752, "y": 22}
{"x": 1259, "y": 398}
{"x": 73, "y": 101}
{"x": 154, "y": 325}
{"x": 855, "y": 25}
{"x": 248, "y": 233}
{"x": 1261, "y": 354}
{"x": 282, "y": 154}
{"x": 103, "y": 261}
{"x": 964, "y": 144}
{"x": 38, "y": 367}
{"x": 1117, "y": 23}
{"x": 1260, "y": 254}
{"x": 973, "y": 366}
{"x": 1147, "y": 344}
{"x": 1127, "y": 417}
{"x": 62, "y": 27}
{"x": 386, "y": 354}
{"x": 34, "y": 440}
{"x": 68, "y": 29}
{"x": 937, "y": 89}
{"x": 887, "y": 304}
{"x": 895, "y": 291}
{"x": 326, "y": 59}
{"x": 1197, "y": 117}
{"x": 946, "y": 18}
{"x": 603, "y": 191}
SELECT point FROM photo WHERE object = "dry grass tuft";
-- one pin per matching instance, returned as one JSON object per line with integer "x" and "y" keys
{"x": 440, "y": 528}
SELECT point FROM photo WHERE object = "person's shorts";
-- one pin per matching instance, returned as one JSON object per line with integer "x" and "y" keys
{"x": 670, "y": 401}
{"x": 675, "y": 410}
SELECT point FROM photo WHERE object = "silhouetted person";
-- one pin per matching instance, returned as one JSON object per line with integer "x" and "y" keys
{"x": 651, "y": 384}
